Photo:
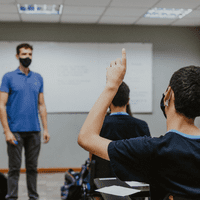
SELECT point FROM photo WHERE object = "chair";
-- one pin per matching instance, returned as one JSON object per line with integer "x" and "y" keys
{"x": 3, "y": 186}
{"x": 104, "y": 170}
{"x": 93, "y": 193}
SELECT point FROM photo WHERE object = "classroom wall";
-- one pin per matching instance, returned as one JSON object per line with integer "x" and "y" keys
{"x": 173, "y": 47}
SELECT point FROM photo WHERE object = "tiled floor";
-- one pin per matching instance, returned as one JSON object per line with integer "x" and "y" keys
{"x": 48, "y": 186}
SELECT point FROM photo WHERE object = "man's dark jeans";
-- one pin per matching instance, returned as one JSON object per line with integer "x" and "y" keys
{"x": 31, "y": 141}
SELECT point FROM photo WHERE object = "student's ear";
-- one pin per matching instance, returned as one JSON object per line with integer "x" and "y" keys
{"x": 128, "y": 101}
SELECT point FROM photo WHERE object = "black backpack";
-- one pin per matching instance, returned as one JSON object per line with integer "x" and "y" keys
{"x": 76, "y": 186}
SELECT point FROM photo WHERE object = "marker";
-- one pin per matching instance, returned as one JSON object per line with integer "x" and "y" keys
{"x": 15, "y": 142}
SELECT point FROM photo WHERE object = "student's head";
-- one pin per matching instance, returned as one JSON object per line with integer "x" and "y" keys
{"x": 185, "y": 84}
{"x": 24, "y": 54}
{"x": 122, "y": 97}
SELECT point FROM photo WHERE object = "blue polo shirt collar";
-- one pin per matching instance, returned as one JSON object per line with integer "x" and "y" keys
{"x": 18, "y": 71}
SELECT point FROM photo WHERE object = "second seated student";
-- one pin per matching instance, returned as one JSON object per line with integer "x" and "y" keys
{"x": 119, "y": 124}
{"x": 169, "y": 163}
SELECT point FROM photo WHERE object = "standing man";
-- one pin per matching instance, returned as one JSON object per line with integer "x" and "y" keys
{"x": 21, "y": 97}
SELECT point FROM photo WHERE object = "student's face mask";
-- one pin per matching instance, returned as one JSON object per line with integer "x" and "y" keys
{"x": 25, "y": 61}
{"x": 162, "y": 105}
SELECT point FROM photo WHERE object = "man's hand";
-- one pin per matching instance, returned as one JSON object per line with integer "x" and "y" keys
{"x": 10, "y": 137}
{"x": 46, "y": 137}
{"x": 116, "y": 71}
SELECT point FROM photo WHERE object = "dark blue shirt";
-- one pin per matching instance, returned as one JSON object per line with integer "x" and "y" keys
{"x": 22, "y": 104}
{"x": 170, "y": 163}
{"x": 117, "y": 127}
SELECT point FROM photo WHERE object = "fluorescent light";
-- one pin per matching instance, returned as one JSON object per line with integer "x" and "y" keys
{"x": 40, "y": 9}
{"x": 169, "y": 13}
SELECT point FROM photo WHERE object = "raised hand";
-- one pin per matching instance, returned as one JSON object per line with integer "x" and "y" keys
{"x": 116, "y": 71}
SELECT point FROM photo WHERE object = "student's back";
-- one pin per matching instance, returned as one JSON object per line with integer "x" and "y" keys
{"x": 118, "y": 126}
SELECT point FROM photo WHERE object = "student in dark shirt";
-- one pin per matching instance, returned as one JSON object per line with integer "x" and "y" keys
{"x": 170, "y": 163}
{"x": 119, "y": 124}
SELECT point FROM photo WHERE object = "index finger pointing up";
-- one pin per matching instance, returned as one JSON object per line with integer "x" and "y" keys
{"x": 124, "y": 57}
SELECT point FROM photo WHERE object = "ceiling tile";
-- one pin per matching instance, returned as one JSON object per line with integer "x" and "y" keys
{"x": 40, "y": 18}
{"x": 87, "y": 2}
{"x": 9, "y": 17}
{"x": 125, "y": 12}
{"x": 8, "y": 8}
{"x": 187, "y": 22}
{"x": 7, "y": 1}
{"x": 79, "y": 19}
{"x": 178, "y": 4}
{"x": 154, "y": 21}
{"x": 133, "y": 3}
{"x": 72, "y": 10}
{"x": 193, "y": 14}
{"x": 40, "y": 1}
{"x": 117, "y": 20}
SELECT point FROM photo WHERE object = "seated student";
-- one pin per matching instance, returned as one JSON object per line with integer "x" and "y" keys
{"x": 170, "y": 163}
{"x": 119, "y": 124}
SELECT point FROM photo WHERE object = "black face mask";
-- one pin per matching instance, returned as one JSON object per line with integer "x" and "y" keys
{"x": 162, "y": 106}
{"x": 25, "y": 61}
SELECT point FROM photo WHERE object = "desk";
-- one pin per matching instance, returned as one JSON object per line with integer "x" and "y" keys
{"x": 100, "y": 183}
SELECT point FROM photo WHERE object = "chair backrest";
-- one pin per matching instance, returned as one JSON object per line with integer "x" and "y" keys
{"x": 3, "y": 186}
{"x": 102, "y": 168}
{"x": 92, "y": 175}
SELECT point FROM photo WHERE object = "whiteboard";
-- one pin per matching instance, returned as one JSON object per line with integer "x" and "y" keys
{"x": 75, "y": 73}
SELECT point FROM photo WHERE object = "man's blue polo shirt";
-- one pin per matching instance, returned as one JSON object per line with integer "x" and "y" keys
{"x": 22, "y": 104}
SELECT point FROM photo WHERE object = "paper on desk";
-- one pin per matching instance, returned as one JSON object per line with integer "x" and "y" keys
{"x": 136, "y": 184}
{"x": 118, "y": 190}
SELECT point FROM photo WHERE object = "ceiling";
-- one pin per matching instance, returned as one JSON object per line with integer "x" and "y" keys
{"x": 121, "y": 12}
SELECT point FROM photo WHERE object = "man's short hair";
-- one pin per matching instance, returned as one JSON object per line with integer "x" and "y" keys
{"x": 186, "y": 86}
{"x": 122, "y": 96}
{"x": 24, "y": 45}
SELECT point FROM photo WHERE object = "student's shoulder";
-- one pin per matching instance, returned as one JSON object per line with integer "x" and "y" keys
{"x": 138, "y": 121}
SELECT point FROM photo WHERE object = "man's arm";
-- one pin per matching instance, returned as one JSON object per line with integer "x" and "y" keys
{"x": 43, "y": 115}
{"x": 89, "y": 137}
{"x": 4, "y": 121}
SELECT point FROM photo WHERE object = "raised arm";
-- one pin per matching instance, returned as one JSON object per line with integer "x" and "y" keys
{"x": 89, "y": 137}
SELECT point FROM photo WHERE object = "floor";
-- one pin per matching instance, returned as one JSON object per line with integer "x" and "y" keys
{"x": 48, "y": 186}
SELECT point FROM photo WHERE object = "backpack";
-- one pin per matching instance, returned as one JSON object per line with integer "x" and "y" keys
{"x": 76, "y": 185}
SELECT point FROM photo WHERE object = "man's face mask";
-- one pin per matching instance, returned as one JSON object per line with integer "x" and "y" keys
{"x": 25, "y": 61}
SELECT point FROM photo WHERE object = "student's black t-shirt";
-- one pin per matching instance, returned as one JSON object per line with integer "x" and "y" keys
{"x": 118, "y": 127}
{"x": 170, "y": 163}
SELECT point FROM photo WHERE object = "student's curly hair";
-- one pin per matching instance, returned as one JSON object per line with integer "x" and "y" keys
{"x": 186, "y": 86}
{"x": 24, "y": 45}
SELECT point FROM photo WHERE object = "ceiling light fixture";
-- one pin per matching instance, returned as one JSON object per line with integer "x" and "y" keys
{"x": 168, "y": 13}
{"x": 40, "y": 9}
